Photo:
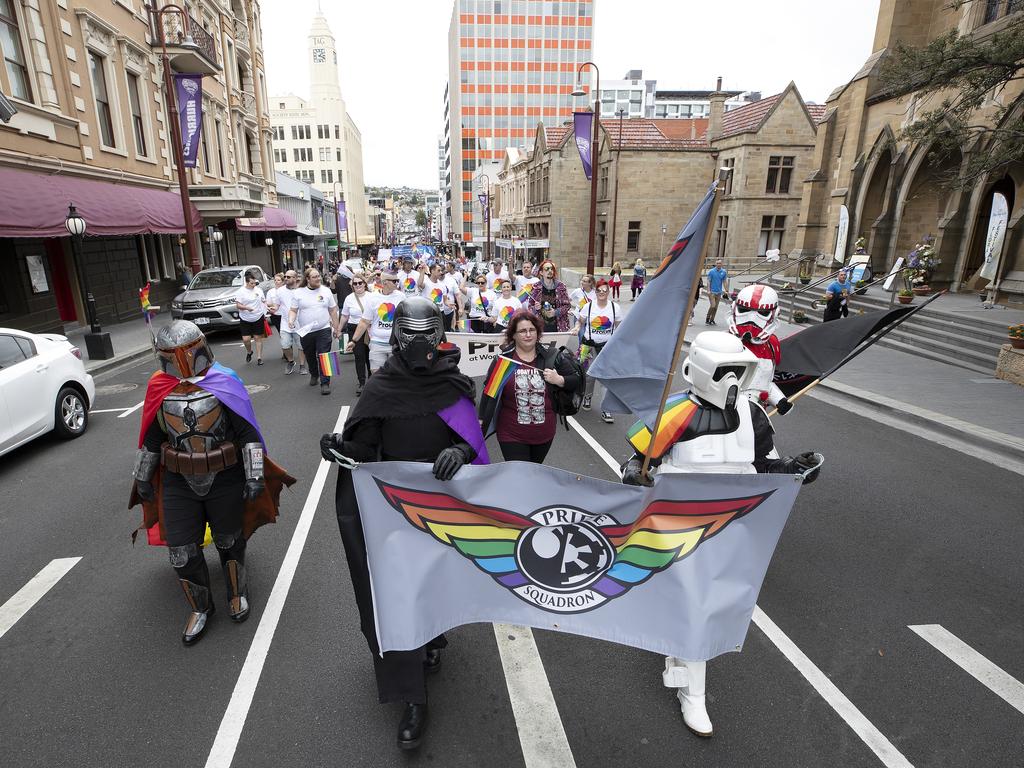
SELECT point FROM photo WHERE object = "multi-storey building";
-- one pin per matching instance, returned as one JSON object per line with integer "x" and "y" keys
{"x": 632, "y": 95}
{"x": 511, "y": 63}
{"x": 891, "y": 189}
{"x": 92, "y": 129}
{"x": 316, "y": 140}
{"x": 684, "y": 104}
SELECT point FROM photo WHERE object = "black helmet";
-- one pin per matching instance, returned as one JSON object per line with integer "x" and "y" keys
{"x": 417, "y": 330}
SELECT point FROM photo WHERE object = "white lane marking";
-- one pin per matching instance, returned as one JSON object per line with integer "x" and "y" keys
{"x": 131, "y": 410}
{"x": 1004, "y": 686}
{"x": 107, "y": 410}
{"x": 598, "y": 448}
{"x": 868, "y": 733}
{"x": 871, "y": 736}
{"x": 23, "y": 600}
{"x": 541, "y": 734}
{"x": 226, "y": 741}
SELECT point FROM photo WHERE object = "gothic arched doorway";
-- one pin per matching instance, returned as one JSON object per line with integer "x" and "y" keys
{"x": 976, "y": 254}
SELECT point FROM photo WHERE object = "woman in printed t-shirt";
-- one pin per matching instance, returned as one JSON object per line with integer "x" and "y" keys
{"x": 505, "y": 306}
{"x": 581, "y": 296}
{"x": 434, "y": 287}
{"x": 252, "y": 308}
{"x": 523, "y": 413}
{"x": 378, "y": 319}
{"x": 351, "y": 313}
{"x": 598, "y": 321}
{"x": 481, "y": 305}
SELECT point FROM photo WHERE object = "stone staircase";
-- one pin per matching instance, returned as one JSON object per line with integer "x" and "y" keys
{"x": 966, "y": 342}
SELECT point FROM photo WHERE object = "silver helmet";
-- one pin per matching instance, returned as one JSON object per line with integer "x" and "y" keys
{"x": 182, "y": 350}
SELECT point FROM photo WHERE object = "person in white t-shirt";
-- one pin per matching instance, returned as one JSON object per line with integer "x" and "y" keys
{"x": 496, "y": 274}
{"x": 252, "y": 308}
{"x": 352, "y": 311}
{"x": 314, "y": 316}
{"x": 291, "y": 348}
{"x": 480, "y": 301}
{"x": 434, "y": 287}
{"x": 505, "y": 306}
{"x": 597, "y": 321}
{"x": 524, "y": 284}
{"x": 408, "y": 277}
{"x": 454, "y": 279}
{"x": 378, "y": 319}
{"x": 580, "y": 297}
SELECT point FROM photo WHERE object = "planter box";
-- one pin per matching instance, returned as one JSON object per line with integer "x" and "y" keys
{"x": 1010, "y": 365}
{"x": 904, "y": 299}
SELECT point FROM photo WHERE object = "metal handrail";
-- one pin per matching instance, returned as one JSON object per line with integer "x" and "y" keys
{"x": 784, "y": 267}
{"x": 793, "y": 293}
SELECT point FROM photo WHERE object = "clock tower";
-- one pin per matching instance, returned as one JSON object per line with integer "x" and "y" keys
{"x": 323, "y": 62}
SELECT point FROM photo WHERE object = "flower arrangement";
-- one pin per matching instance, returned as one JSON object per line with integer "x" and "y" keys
{"x": 921, "y": 263}
{"x": 860, "y": 245}
{"x": 1016, "y": 331}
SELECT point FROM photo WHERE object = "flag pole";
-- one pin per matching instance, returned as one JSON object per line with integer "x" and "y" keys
{"x": 723, "y": 173}
{"x": 863, "y": 345}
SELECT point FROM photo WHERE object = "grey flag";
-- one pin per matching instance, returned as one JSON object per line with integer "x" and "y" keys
{"x": 634, "y": 363}
{"x": 674, "y": 569}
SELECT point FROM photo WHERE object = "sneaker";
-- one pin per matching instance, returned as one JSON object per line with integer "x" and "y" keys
{"x": 302, "y": 370}
{"x": 259, "y": 361}
{"x": 359, "y": 390}
{"x": 607, "y": 418}
{"x": 325, "y": 388}
{"x": 248, "y": 357}
{"x": 290, "y": 368}
{"x": 314, "y": 380}
{"x": 586, "y": 403}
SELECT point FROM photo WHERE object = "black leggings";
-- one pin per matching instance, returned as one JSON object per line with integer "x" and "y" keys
{"x": 313, "y": 344}
{"x": 524, "y": 452}
{"x": 361, "y": 351}
{"x": 186, "y": 513}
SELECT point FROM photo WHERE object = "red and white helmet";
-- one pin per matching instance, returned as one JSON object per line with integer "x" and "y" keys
{"x": 755, "y": 313}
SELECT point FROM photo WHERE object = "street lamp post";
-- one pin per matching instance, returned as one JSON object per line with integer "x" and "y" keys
{"x": 97, "y": 343}
{"x": 487, "y": 214}
{"x": 593, "y": 157}
{"x": 269, "y": 242}
{"x": 337, "y": 218}
{"x": 172, "y": 118}
{"x": 615, "y": 198}
{"x": 216, "y": 236}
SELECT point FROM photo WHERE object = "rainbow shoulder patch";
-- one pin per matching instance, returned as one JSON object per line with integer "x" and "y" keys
{"x": 679, "y": 412}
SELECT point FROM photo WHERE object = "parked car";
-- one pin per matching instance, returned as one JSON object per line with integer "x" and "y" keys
{"x": 209, "y": 300}
{"x": 43, "y": 387}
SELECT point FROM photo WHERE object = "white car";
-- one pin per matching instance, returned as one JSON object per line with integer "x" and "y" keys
{"x": 43, "y": 387}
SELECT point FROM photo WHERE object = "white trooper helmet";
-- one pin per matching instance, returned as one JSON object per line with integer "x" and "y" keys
{"x": 755, "y": 313}
{"x": 718, "y": 368}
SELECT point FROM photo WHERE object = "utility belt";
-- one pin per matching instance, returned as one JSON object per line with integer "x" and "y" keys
{"x": 220, "y": 458}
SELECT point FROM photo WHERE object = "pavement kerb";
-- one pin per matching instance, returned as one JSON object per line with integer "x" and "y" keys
{"x": 982, "y": 437}
{"x": 102, "y": 366}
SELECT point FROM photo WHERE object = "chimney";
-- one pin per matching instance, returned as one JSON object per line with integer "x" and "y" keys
{"x": 717, "y": 110}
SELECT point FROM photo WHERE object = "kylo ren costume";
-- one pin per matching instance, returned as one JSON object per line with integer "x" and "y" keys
{"x": 413, "y": 409}
{"x": 201, "y": 462}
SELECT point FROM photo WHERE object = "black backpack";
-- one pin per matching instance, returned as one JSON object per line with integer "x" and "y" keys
{"x": 567, "y": 403}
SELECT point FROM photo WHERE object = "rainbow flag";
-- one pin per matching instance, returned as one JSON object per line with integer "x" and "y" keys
{"x": 499, "y": 375}
{"x": 330, "y": 363}
{"x": 679, "y": 411}
{"x": 148, "y": 310}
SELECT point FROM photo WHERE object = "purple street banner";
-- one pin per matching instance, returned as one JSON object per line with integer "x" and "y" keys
{"x": 189, "y": 92}
{"x": 673, "y": 569}
{"x": 583, "y": 128}
{"x": 342, "y": 218}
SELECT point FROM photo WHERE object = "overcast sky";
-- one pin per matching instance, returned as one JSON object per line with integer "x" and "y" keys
{"x": 393, "y": 58}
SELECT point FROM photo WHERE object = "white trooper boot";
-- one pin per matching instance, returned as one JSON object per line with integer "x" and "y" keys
{"x": 689, "y": 677}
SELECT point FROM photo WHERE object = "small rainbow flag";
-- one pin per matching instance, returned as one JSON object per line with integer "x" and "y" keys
{"x": 524, "y": 293}
{"x": 679, "y": 411}
{"x": 499, "y": 375}
{"x": 148, "y": 310}
{"x": 330, "y": 363}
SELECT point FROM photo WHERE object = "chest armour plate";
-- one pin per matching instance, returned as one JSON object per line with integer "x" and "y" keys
{"x": 731, "y": 453}
{"x": 194, "y": 419}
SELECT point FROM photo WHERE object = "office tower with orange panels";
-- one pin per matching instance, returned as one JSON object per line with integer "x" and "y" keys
{"x": 511, "y": 64}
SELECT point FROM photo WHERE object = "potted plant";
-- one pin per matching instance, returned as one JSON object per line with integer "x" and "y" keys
{"x": 1017, "y": 335}
{"x": 806, "y": 271}
{"x": 921, "y": 264}
{"x": 799, "y": 316}
{"x": 905, "y": 296}
{"x": 861, "y": 287}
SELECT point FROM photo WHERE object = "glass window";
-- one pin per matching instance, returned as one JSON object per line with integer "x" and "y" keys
{"x": 780, "y": 170}
{"x": 99, "y": 88}
{"x": 10, "y": 352}
{"x": 622, "y": 95}
{"x": 633, "y": 237}
{"x": 14, "y": 57}
{"x": 138, "y": 125}
{"x": 772, "y": 229}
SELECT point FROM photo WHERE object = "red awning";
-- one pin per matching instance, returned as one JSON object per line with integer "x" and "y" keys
{"x": 272, "y": 220}
{"x": 36, "y": 204}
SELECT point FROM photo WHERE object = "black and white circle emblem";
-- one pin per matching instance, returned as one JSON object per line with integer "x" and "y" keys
{"x": 566, "y": 557}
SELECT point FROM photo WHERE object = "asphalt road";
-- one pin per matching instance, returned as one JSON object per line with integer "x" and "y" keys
{"x": 897, "y": 532}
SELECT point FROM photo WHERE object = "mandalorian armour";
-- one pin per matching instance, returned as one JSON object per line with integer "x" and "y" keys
{"x": 197, "y": 425}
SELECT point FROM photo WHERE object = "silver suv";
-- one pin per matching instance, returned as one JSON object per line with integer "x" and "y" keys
{"x": 209, "y": 300}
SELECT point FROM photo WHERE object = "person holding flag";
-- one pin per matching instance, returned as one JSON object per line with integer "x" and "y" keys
{"x": 202, "y": 462}
{"x": 517, "y": 401}
{"x": 505, "y": 306}
{"x": 525, "y": 283}
{"x": 378, "y": 320}
{"x": 580, "y": 297}
{"x": 753, "y": 319}
{"x": 481, "y": 305}
{"x": 596, "y": 323}
{"x": 432, "y": 286}
{"x": 550, "y": 298}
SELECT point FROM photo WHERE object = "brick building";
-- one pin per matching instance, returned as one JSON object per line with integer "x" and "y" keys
{"x": 888, "y": 186}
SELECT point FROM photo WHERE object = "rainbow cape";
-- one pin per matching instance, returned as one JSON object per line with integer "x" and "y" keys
{"x": 679, "y": 411}
{"x": 503, "y": 368}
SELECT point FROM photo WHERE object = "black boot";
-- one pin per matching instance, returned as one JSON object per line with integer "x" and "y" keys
{"x": 432, "y": 662}
{"x": 412, "y": 726}
{"x": 199, "y": 600}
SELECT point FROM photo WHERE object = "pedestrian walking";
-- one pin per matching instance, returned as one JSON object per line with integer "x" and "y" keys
{"x": 636, "y": 285}
{"x": 580, "y": 297}
{"x": 718, "y": 284}
{"x": 434, "y": 287}
{"x": 273, "y": 304}
{"x": 314, "y": 316}
{"x": 505, "y": 306}
{"x": 351, "y": 313}
{"x": 551, "y": 298}
{"x": 378, "y": 320}
{"x": 252, "y": 309}
{"x": 480, "y": 300}
{"x": 522, "y": 412}
{"x": 597, "y": 322}
{"x": 615, "y": 280}
{"x": 837, "y": 295}
{"x": 291, "y": 347}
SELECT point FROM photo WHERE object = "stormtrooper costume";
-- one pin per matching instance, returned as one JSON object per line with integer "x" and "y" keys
{"x": 754, "y": 318}
{"x": 730, "y": 435}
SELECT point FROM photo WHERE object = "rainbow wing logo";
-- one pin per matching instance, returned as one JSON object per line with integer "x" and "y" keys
{"x": 601, "y": 324}
{"x": 435, "y": 295}
{"x": 506, "y": 314}
{"x": 386, "y": 312}
{"x": 563, "y": 559}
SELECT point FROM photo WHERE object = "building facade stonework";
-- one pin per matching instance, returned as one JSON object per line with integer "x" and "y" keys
{"x": 892, "y": 189}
